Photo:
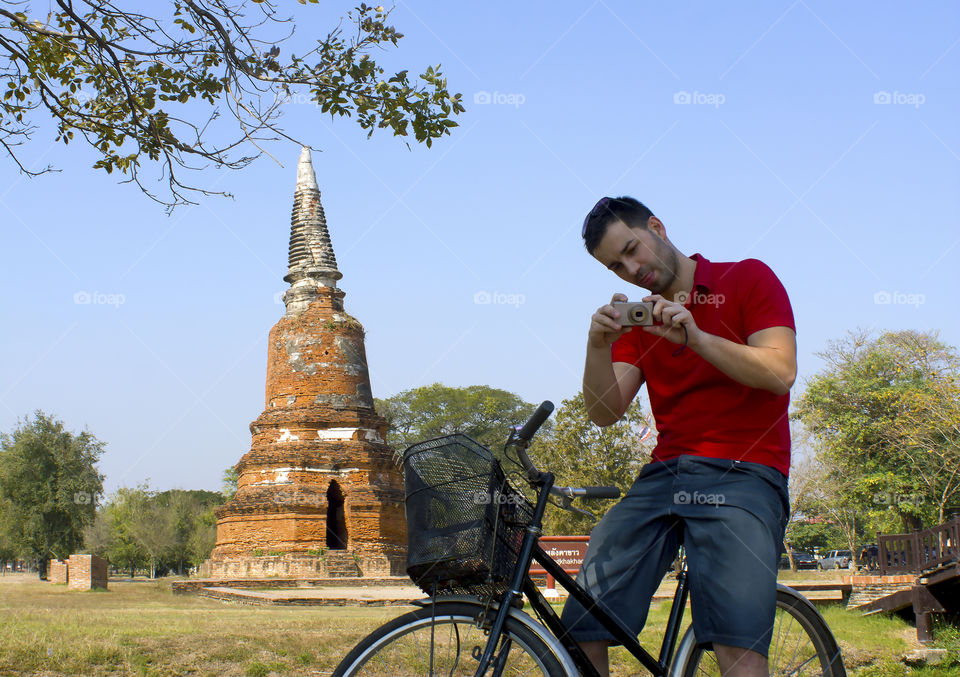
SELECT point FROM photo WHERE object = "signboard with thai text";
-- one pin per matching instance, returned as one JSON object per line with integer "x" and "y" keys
{"x": 567, "y": 551}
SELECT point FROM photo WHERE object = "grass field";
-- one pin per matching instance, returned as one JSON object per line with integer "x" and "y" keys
{"x": 141, "y": 628}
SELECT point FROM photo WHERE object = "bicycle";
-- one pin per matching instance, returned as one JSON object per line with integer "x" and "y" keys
{"x": 472, "y": 555}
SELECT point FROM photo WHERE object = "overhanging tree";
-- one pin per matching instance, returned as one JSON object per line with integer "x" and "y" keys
{"x": 198, "y": 82}
{"x": 50, "y": 481}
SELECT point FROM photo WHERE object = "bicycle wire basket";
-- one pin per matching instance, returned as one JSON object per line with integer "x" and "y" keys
{"x": 465, "y": 521}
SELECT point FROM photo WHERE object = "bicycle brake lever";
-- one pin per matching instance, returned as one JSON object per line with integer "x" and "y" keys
{"x": 566, "y": 502}
{"x": 583, "y": 512}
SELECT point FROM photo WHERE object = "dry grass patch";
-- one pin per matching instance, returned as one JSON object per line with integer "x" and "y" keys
{"x": 141, "y": 628}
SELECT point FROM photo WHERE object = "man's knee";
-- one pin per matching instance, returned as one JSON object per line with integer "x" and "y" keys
{"x": 735, "y": 661}
{"x": 598, "y": 653}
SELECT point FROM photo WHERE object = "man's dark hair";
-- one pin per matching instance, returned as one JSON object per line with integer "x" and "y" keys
{"x": 632, "y": 212}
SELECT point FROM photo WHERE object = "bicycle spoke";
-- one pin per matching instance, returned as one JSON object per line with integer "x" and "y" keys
{"x": 801, "y": 645}
{"x": 453, "y": 650}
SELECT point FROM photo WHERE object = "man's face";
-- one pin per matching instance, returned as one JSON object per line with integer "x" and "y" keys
{"x": 639, "y": 255}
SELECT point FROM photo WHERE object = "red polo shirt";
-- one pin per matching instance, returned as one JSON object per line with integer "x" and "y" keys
{"x": 698, "y": 409}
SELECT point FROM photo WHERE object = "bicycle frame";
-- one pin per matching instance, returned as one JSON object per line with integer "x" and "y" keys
{"x": 522, "y": 583}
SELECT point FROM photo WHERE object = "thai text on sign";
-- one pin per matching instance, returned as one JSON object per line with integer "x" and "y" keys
{"x": 567, "y": 551}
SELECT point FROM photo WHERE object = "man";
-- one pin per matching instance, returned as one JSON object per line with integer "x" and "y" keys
{"x": 718, "y": 365}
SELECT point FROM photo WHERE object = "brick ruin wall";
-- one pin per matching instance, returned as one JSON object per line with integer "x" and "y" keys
{"x": 86, "y": 572}
{"x": 57, "y": 571}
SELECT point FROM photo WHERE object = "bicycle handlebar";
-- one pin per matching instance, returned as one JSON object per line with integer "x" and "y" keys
{"x": 591, "y": 492}
{"x": 521, "y": 438}
{"x": 533, "y": 424}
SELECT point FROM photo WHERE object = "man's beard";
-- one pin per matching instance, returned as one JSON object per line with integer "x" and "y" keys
{"x": 667, "y": 257}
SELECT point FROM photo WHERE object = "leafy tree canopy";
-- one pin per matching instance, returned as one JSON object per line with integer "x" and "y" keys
{"x": 50, "y": 485}
{"x": 484, "y": 413}
{"x": 230, "y": 479}
{"x": 886, "y": 416}
{"x": 164, "y": 531}
{"x": 159, "y": 86}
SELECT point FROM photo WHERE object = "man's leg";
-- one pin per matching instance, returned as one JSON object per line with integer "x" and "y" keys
{"x": 630, "y": 550}
{"x": 732, "y": 545}
{"x": 599, "y": 655}
{"x": 735, "y": 661}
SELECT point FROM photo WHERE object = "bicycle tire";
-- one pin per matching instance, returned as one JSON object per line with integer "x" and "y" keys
{"x": 802, "y": 644}
{"x": 392, "y": 649}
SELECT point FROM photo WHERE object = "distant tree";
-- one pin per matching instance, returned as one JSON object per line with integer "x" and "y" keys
{"x": 97, "y": 537}
{"x": 811, "y": 523}
{"x": 158, "y": 87}
{"x": 191, "y": 512}
{"x": 121, "y": 514}
{"x": 49, "y": 477}
{"x": 230, "y": 479}
{"x": 8, "y": 549}
{"x": 154, "y": 529}
{"x": 162, "y": 531}
{"x": 927, "y": 430}
{"x": 820, "y": 534}
{"x": 203, "y": 537}
{"x": 579, "y": 453}
{"x": 484, "y": 413}
{"x": 886, "y": 419}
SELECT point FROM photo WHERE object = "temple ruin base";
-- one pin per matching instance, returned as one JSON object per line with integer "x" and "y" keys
{"x": 332, "y": 564}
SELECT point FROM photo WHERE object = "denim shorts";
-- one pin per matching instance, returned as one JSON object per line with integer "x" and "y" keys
{"x": 729, "y": 515}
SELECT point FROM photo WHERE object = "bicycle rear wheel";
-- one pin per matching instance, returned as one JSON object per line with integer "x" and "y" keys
{"x": 445, "y": 639}
{"x": 802, "y": 645}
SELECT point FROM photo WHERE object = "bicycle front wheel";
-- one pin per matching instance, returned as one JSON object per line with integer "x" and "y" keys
{"x": 447, "y": 639}
{"x": 802, "y": 645}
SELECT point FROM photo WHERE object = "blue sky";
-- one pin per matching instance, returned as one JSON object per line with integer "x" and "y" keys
{"x": 819, "y": 137}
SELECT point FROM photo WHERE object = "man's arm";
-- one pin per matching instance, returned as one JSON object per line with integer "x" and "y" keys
{"x": 608, "y": 387}
{"x": 767, "y": 361}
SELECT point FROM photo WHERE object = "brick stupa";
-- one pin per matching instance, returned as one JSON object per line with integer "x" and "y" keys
{"x": 319, "y": 493}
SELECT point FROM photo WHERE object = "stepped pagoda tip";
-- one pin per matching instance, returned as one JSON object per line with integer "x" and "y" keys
{"x": 311, "y": 259}
{"x": 306, "y": 177}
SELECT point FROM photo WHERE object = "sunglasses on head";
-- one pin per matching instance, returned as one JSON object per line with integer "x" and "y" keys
{"x": 595, "y": 212}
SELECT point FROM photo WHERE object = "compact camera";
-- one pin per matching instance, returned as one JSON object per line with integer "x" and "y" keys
{"x": 635, "y": 314}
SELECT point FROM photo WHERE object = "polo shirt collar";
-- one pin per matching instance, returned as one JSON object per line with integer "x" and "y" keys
{"x": 703, "y": 274}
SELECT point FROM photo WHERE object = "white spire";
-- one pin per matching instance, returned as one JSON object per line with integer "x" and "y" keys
{"x": 306, "y": 177}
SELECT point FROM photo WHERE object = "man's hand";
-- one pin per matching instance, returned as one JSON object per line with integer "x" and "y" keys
{"x": 605, "y": 327}
{"x": 673, "y": 316}
{"x": 608, "y": 387}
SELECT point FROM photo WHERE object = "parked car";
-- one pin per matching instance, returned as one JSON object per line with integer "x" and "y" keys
{"x": 836, "y": 559}
{"x": 803, "y": 560}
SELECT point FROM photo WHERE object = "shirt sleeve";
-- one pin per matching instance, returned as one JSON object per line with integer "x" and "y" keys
{"x": 764, "y": 300}
{"x": 625, "y": 348}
